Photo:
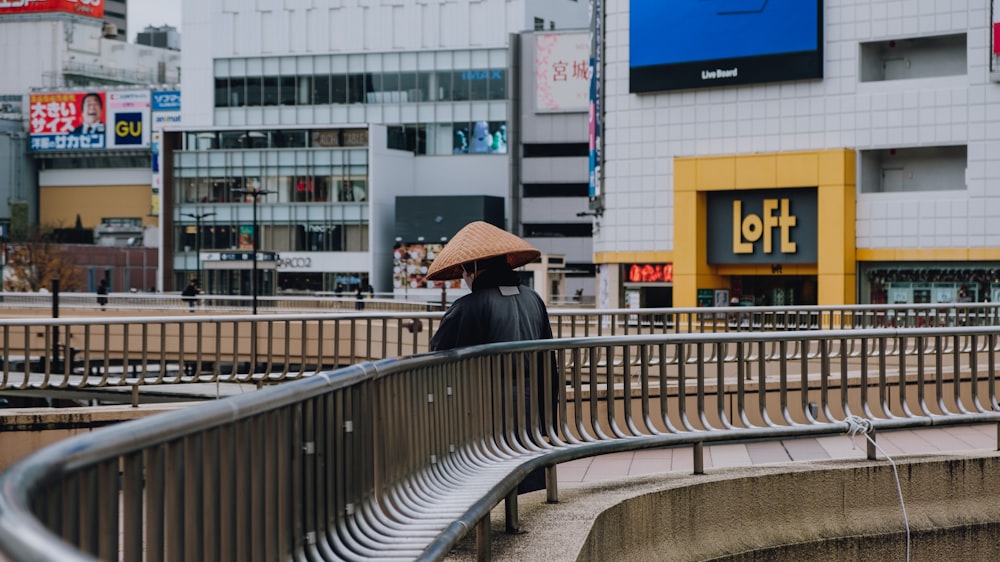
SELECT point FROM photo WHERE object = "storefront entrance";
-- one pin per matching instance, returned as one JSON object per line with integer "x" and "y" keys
{"x": 230, "y": 273}
{"x": 774, "y": 290}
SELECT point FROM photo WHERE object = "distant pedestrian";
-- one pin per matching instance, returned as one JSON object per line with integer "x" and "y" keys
{"x": 359, "y": 296}
{"x": 102, "y": 294}
{"x": 190, "y": 294}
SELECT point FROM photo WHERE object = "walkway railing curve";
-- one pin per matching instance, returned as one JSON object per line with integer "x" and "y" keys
{"x": 401, "y": 458}
{"x": 76, "y": 354}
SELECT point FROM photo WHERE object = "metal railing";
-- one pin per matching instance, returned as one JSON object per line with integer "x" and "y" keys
{"x": 93, "y": 349}
{"x": 401, "y": 458}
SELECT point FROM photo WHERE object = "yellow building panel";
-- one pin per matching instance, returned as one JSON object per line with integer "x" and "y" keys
{"x": 755, "y": 171}
{"x": 60, "y": 206}
{"x": 605, "y": 257}
{"x": 836, "y": 167}
{"x": 831, "y": 172}
{"x": 797, "y": 169}
{"x": 715, "y": 173}
{"x": 836, "y": 224}
{"x": 984, "y": 254}
{"x": 927, "y": 254}
{"x": 875, "y": 254}
{"x": 633, "y": 257}
{"x": 835, "y": 288}
{"x": 685, "y": 175}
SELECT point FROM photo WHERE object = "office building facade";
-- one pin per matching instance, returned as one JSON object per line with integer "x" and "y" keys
{"x": 363, "y": 104}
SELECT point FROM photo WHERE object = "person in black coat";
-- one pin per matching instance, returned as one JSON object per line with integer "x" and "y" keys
{"x": 190, "y": 294}
{"x": 102, "y": 294}
{"x": 499, "y": 309}
{"x": 359, "y": 298}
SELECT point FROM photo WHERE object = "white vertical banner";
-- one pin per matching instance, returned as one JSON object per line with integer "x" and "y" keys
{"x": 562, "y": 72}
{"x": 604, "y": 292}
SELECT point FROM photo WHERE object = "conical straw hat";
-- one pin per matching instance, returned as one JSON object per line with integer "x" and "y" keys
{"x": 477, "y": 241}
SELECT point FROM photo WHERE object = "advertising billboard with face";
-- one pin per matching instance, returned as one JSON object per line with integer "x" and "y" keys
{"x": 67, "y": 121}
{"x": 89, "y": 120}
{"x": 87, "y": 8}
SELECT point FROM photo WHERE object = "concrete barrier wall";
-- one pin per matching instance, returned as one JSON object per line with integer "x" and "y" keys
{"x": 25, "y": 430}
{"x": 820, "y": 511}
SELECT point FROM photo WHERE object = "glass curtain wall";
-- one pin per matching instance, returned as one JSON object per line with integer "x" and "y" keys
{"x": 317, "y": 203}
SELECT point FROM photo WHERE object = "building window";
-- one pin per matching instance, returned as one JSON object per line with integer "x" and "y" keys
{"x": 480, "y": 137}
{"x": 476, "y": 84}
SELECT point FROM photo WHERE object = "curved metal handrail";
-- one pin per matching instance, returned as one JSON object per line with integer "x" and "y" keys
{"x": 402, "y": 457}
{"x": 84, "y": 353}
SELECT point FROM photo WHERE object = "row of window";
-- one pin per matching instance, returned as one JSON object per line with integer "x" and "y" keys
{"x": 237, "y": 282}
{"x": 460, "y": 137}
{"x": 363, "y": 87}
{"x": 274, "y": 237}
{"x": 280, "y": 189}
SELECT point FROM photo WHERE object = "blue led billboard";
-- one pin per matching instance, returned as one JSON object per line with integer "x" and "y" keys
{"x": 677, "y": 44}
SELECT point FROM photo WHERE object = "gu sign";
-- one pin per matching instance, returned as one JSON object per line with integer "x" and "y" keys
{"x": 765, "y": 226}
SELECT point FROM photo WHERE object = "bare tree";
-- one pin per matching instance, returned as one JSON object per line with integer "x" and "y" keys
{"x": 35, "y": 262}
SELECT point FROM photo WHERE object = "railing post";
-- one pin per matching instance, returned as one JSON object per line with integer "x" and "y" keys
{"x": 484, "y": 538}
{"x": 699, "y": 457}
{"x": 513, "y": 523}
{"x": 871, "y": 450}
{"x": 551, "y": 484}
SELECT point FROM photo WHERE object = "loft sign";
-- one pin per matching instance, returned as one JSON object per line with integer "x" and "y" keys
{"x": 772, "y": 226}
{"x": 750, "y": 228}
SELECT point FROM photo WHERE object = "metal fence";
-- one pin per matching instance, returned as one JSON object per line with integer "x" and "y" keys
{"x": 85, "y": 349}
{"x": 401, "y": 458}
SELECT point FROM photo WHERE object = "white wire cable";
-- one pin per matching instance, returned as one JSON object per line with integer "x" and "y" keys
{"x": 858, "y": 425}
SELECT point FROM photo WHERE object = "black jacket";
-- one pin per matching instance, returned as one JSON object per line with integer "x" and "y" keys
{"x": 189, "y": 293}
{"x": 497, "y": 310}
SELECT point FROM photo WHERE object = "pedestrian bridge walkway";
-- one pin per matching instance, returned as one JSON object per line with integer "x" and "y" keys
{"x": 88, "y": 353}
{"x": 407, "y": 457}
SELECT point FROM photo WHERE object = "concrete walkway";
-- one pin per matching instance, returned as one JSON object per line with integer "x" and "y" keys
{"x": 617, "y": 466}
{"x": 601, "y": 479}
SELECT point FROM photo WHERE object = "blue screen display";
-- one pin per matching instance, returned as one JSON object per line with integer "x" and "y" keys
{"x": 665, "y": 33}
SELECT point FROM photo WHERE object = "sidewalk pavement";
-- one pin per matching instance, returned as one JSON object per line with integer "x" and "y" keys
{"x": 616, "y": 466}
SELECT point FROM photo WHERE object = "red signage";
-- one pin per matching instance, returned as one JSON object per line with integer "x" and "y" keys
{"x": 996, "y": 39}
{"x": 64, "y": 121}
{"x": 88, "y": 8}
{"x": 649, "y": 273}
{"x": 66, "y": 113}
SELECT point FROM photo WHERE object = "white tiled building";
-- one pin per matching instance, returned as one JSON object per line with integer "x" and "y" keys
{"x": 896, "y": 139}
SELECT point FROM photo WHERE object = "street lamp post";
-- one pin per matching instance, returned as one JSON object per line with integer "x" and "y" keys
{"x": 197, "y": 236}
{"x": 255, "y": 193}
